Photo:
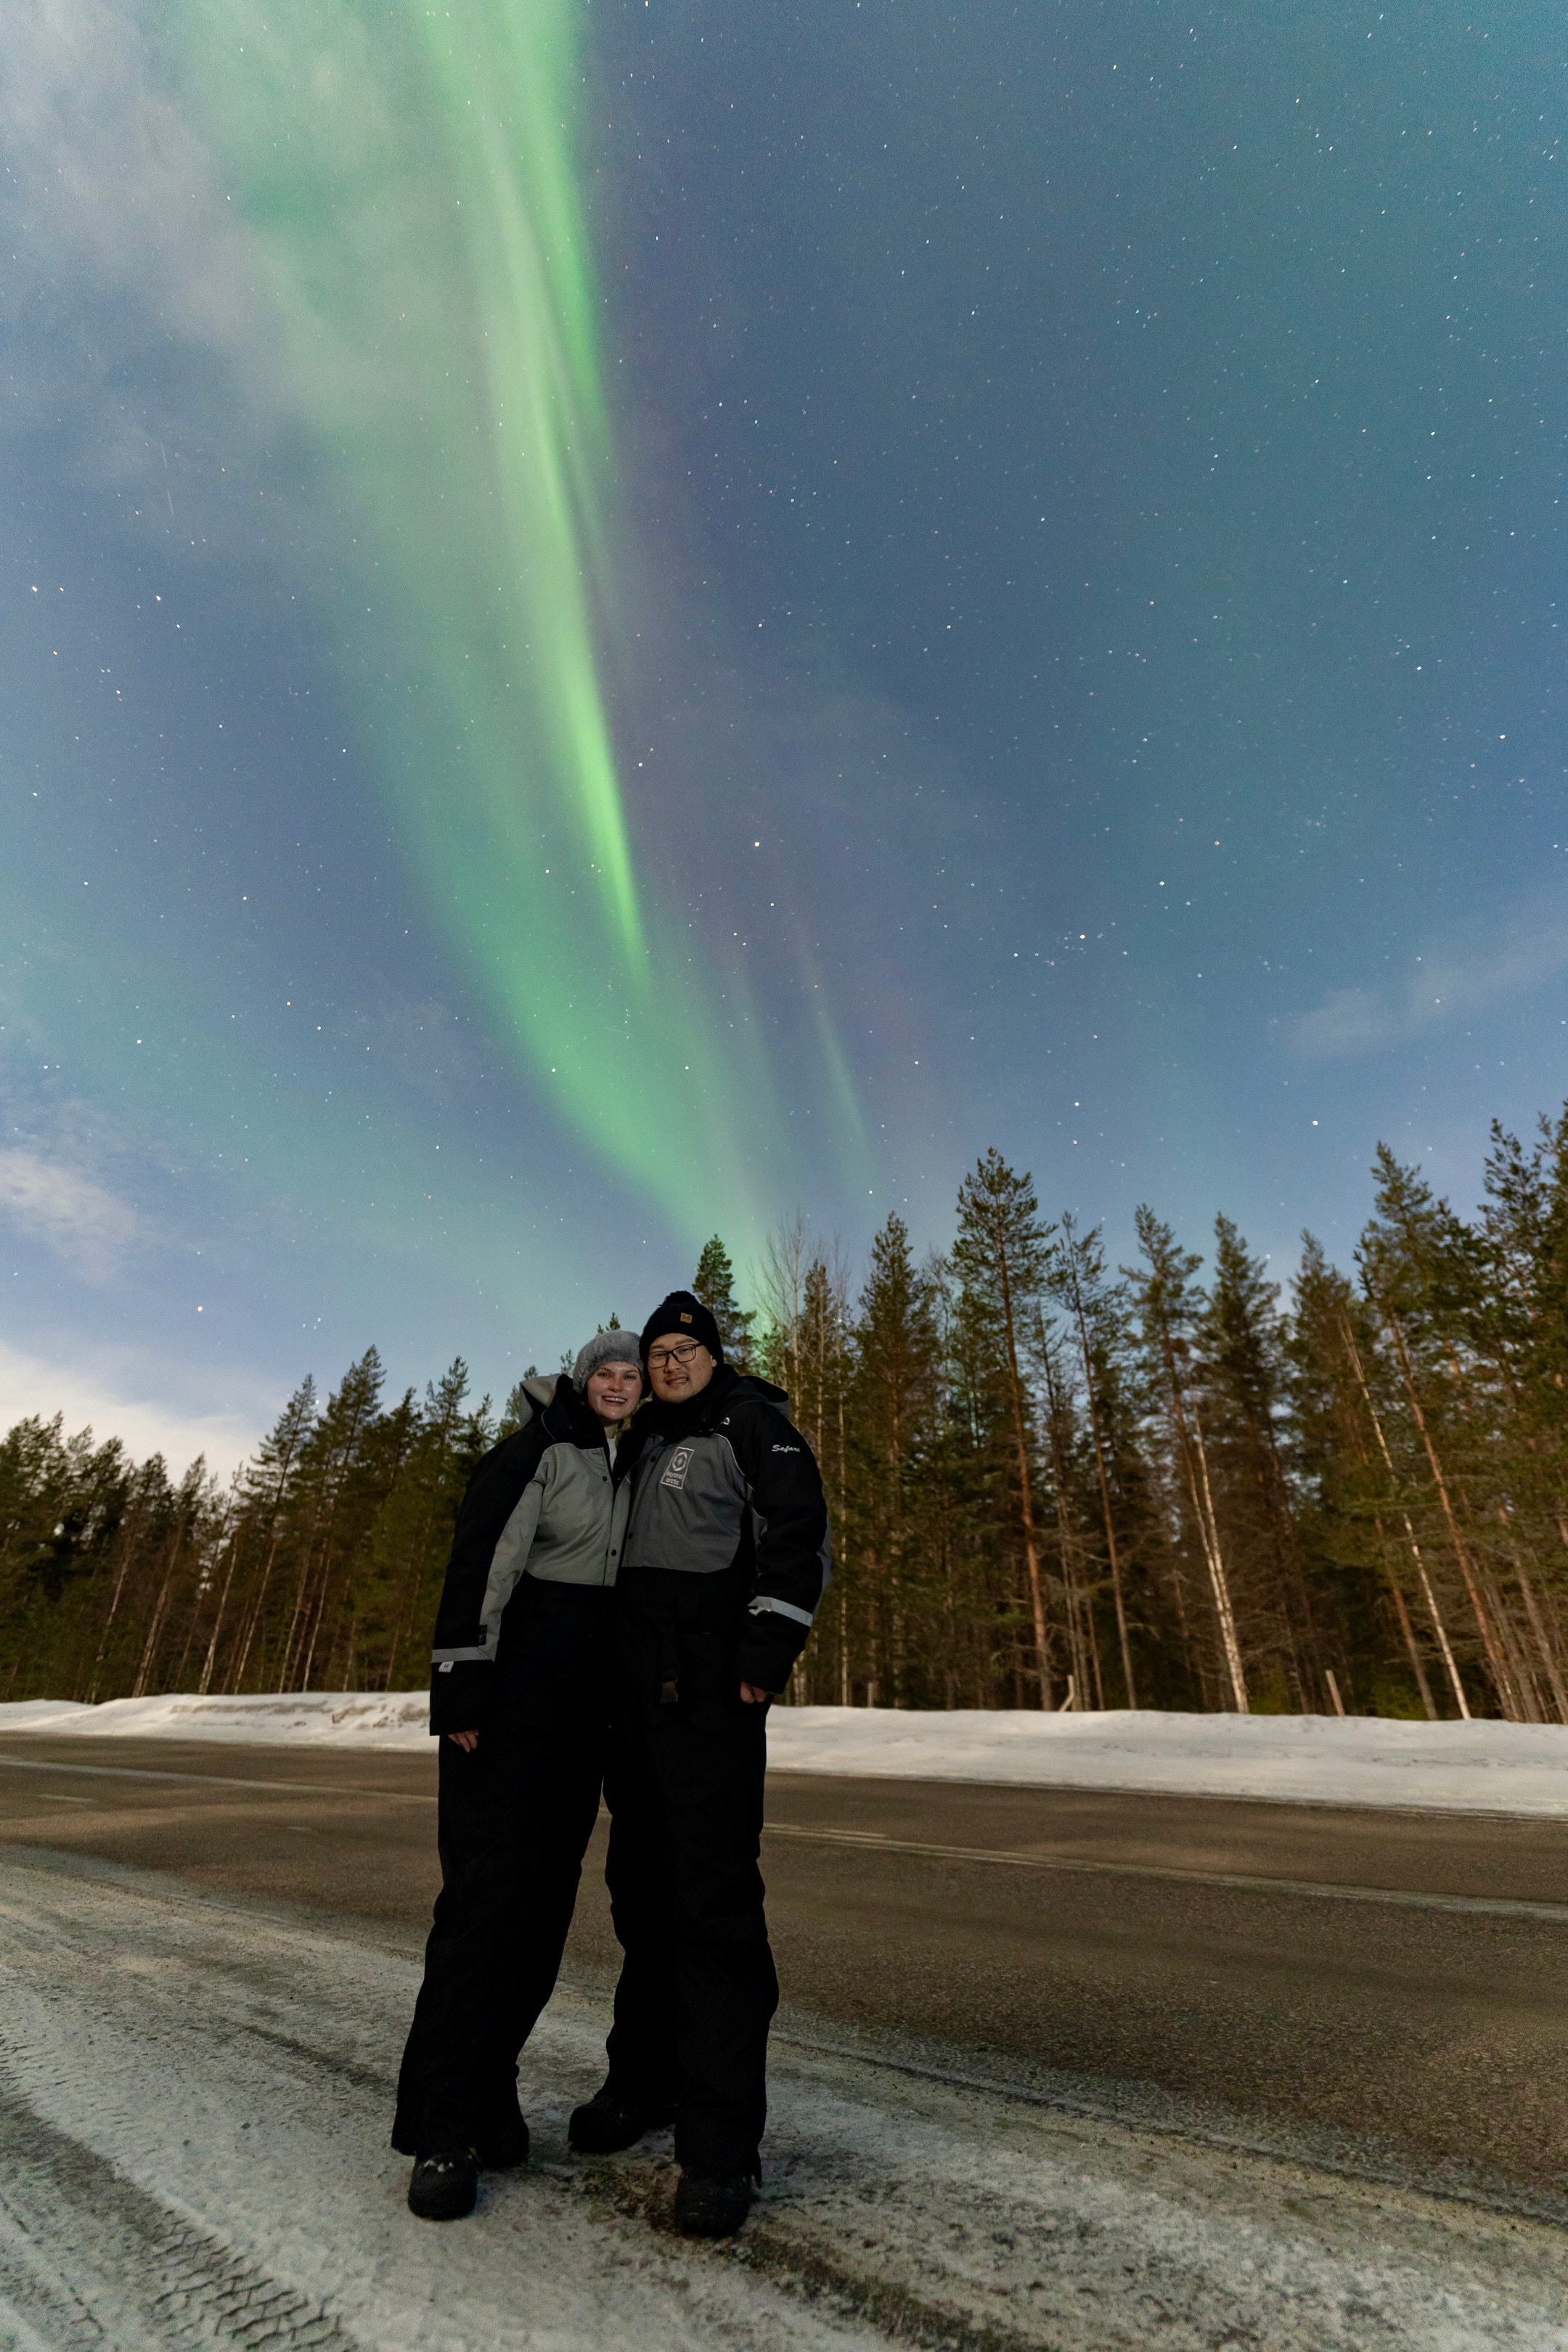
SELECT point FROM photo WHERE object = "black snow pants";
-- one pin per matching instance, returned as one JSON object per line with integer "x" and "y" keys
{"x": 514, "y": 1820}
{"x": 685, "y": 1788}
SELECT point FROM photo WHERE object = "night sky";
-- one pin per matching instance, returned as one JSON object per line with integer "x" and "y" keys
{"x": 624, "y": 620}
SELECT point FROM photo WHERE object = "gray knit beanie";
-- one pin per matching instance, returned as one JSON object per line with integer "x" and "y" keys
{"x": 606, "y": 1348}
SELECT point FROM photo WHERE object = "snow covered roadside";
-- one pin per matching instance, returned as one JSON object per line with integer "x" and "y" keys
{"x": 1507, "y": 1768}
{"x": 1495, "y": 1768}
{"x": 194, "y": 2103}
{"x": 314, "y": 1719}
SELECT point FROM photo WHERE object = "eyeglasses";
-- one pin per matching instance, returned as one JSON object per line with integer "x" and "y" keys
{"x": 682, "y": 1352}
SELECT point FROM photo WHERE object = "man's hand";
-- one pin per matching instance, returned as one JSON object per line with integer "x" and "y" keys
{"x": 467, "y": 1740}
{"x": 755, "y": 1694}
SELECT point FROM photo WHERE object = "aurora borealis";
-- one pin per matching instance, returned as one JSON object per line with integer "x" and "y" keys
{"x": 625, "y": 619}
{"x": 419, "y": 240}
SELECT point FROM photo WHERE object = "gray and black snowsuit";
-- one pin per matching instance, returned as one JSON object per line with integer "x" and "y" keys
{"x": 523, "y": 1654}
{"x": 724, "y": 1562}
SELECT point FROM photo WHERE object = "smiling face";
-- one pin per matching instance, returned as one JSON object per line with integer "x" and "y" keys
{"x": 613, "y": 1389}
{"x": 679, "y": 1368}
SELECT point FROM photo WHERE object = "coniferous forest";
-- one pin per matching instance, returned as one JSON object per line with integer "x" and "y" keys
{"x": 1056, "y": 1480}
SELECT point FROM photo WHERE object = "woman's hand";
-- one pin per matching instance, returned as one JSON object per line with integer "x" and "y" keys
{"x": 467, "y": 1740}
{"x": 755, "y": 1694}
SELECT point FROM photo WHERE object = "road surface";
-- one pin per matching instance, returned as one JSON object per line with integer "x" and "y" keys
{"x": 1054, "y": 2069}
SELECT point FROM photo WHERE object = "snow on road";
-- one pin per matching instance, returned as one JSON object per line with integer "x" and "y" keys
{"x": 194, "y": 2105}
{"x": 1497, "y": 1768}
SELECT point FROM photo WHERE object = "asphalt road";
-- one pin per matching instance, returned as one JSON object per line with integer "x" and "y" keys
{"x": 1388, "y": 1991}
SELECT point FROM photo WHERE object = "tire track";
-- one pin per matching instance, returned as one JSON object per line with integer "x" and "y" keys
{"x": 133, "y": 2261}
{"x": 194, "y": 2103}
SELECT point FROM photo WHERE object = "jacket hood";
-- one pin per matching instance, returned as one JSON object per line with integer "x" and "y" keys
{"x": 559, "y": 1408}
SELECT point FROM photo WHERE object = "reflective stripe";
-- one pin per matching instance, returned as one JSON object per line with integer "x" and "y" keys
{"x": 458, "y": 1657}
{"x": 780, "y": 1609}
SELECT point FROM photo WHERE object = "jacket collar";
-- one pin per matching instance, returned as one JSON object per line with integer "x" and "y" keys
{"x": 694, "y": 1415}
{"x": 569, "y": 1416}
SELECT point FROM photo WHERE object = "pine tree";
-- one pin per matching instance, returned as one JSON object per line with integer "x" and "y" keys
{"x": 1169, "y": 1308}
{"x": 336, "y": 1482}
{"x": 714, "y": 1284}
{"x": 1000, "y": 1258}
{"x": 821, "y": 1353}
{"x": 1421, "y": 1271}
{"x": 263, "y": 1517}
{"x": 1242, "y": 1374}
{"x": 1524, "y": 1332}
{"x": 1065, "y": 1449}
{"x": 1095, "y": 1309}
{"x": 891, "y": 1400}
{"x": 398, "y": 1582}
{"x": 62, "y": 1503}
{"x": 1355, "y": 1530}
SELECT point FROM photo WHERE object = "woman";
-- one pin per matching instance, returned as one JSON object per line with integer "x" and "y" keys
{"x": 520, "y": 1674}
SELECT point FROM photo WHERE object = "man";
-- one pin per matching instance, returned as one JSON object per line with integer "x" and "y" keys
{"x": 724, "y": 1562}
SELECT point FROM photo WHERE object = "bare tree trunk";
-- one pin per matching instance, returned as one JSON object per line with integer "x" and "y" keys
{"x": 1104, "y": 1487}
{"x": 236, "y": 1674}
{"x": 179, "y": 1676}
{"x": 1548, "y": 1654}
{"x": 1179, "y": 1593}
{"x": 149, "y": 1647}
{"x": 258, "y": 1605}
{"x": 1208, "y": 1527}
{"x": 1427, "y": 1593}
{"x": 125, "y": 1570}
{"x": 296, "y": 1621}
{"x": 1417, "y": 1667}
{"x": 1217, "y": 1570}
{"x": 1026, "y": 1486}
{"x": 205, "y": 1683}
{"x": 1500, "y": 1676}
{"x": 1074, "y": 1604}
{"x": 319, "y": 1619}
{"x": 1527, "y": 1695}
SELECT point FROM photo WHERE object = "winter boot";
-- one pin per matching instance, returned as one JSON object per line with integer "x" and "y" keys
{"x": 713, "y": 2204}
{"x": 503, "y": 2143}
{"x": 445, "y": 2185}
{"x": 607, "y": 2124}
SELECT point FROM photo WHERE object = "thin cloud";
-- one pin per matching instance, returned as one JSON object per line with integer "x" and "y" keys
{"x": 88, "y": 1228}
{"x": 109, "y": 178}
{"x": 104, "y": 1399}
{"x": 1444, "y": 986}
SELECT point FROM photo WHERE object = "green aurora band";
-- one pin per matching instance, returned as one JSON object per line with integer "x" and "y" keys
{"x": 407, "y": 178}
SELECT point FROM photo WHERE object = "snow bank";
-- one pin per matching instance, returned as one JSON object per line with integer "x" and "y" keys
{"x": 316, "y": 1719}
{"x": 1494, "y": 1768}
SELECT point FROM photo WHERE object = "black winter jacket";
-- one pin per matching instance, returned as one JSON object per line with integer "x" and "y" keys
{"x": 547, "y": 1502}
{"x": 727, "y": 1480}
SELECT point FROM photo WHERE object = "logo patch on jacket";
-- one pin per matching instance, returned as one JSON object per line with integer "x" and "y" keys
{"x": 677, "y": 1465}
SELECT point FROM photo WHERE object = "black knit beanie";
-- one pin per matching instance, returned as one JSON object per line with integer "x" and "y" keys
{"x": 681, "y": 1316}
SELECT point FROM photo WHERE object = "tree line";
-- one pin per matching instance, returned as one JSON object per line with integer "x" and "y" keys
{"x": 1056, "y": 1480}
